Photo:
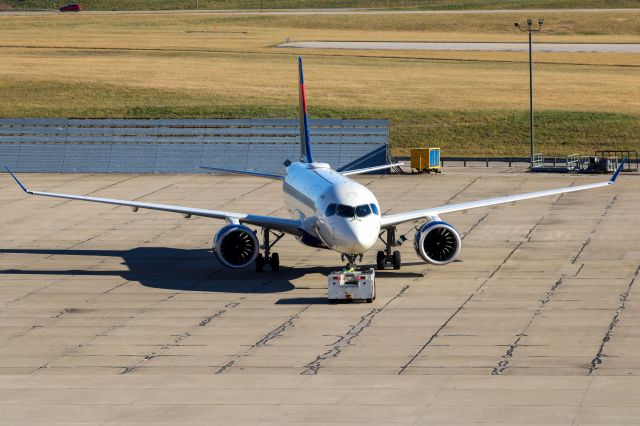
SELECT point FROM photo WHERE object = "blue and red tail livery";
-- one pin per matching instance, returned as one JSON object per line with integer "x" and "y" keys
{"x": 305, "y": 140}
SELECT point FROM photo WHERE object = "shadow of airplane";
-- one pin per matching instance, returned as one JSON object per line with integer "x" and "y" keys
{"x": 173, "y": 269}
{"x": 187, "y": 269}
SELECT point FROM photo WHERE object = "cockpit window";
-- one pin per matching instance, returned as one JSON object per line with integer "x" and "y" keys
{"x": 346, "y": 211}
{"x": 331, "y": 210}
{"x": 363, "y": 210}
{"x": 374, "y": 209}
{"x": 343, "y": 210}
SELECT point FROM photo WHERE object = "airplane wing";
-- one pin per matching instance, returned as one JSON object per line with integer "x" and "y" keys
{"x": 243, "y": 172}
{"x": 394, "y": 219}
{"x": 370, "y": 169}
{"x": 290, "y": 226}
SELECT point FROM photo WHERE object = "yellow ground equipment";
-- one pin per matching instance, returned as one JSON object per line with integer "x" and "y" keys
{"x": 425, "y": 160}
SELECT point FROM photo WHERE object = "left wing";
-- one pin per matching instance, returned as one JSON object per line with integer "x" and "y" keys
{"x": 370, "y": 169}
{"x": 290, "y": 226}
{"x": 394, "y": 219}
{"x": 243, "y": 172}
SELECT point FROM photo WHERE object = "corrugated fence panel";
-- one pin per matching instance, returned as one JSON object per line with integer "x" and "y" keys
{"x": 133, "y": 158}
{"x": 180, "y": 146}
{"x": 233, "y": 156}
{"x": 175, "y": 158}
{"x": 87, "y": 158}
{"x": 34, "y": 158}
{"x": 10, "y": 155}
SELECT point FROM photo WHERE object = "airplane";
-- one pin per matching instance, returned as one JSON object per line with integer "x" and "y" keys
{"x": 330, "y": 211}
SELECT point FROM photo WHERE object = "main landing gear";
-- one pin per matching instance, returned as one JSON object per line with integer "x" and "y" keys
{"x": 388, "y": 257}
{"x": 268, "y": 258}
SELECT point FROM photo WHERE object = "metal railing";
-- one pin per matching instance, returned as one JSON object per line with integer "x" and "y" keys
{"x": 537, "y": 160}
{"x": 572, "y": 162}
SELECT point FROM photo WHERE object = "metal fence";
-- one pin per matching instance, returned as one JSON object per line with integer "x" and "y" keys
{"x": 180, "y": 146}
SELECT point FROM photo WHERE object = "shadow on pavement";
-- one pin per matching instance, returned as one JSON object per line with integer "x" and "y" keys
{"x": 184, "y": 269}
{"x": 168, "y": 268}
{"x": 303, "y": 301}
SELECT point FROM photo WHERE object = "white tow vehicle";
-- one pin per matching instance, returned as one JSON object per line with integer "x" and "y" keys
{"x": 351, "y": 285}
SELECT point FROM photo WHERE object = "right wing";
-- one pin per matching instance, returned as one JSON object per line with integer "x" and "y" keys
{"x": 394, "y": 219}
{"x": 289, "y": 226}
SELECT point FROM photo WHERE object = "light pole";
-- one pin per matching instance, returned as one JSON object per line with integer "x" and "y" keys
{"x": 529, "y": 29}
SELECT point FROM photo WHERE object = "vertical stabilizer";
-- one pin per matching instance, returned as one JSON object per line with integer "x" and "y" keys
{"x": 305, "y": 141}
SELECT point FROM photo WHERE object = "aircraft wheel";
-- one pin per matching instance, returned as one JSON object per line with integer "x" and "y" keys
{"x": 259, "y": 263}
{"x": 397, "y": 260}
{"x": 380, "y": 260}
{"x": 275, "y": 262}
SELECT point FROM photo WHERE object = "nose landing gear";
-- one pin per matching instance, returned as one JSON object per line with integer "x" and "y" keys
{"x": 351, "y": 259}
{"x": 268, "y": 258}
{"x": 389, "y": 257}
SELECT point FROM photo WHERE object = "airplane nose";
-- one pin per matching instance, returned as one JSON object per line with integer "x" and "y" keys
{"x": 362, "y": 237}
{"x": 365, "y": 239}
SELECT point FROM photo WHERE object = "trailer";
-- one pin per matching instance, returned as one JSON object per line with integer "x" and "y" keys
{"x": 425, "y": 160}
{"x": 348, "y": 285}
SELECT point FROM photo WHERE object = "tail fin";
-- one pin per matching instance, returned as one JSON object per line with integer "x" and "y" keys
{"x": 305, "y": 140}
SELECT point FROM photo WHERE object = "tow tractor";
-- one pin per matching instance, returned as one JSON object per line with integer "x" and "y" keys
{"x": 351, "y": 284}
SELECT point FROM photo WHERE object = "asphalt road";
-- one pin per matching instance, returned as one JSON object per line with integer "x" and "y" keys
{"x": 324, "y": 11}
{"x": 115, "y": 317}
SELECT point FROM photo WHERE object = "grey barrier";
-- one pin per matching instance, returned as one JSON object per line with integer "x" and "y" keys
{"x": 181, "y": 145}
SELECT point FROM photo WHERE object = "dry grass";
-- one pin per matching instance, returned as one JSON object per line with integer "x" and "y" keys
{"x": 337, "y": 81}
{"x": 563, "y": 23}
{"x": 310, "y": 4}
{"x": 216, "y": 62}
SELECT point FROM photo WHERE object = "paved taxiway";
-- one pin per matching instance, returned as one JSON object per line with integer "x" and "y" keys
{"x": 305, "y": 12}
{"x": 113, "y": 316}
{"x": 481, "y": 47}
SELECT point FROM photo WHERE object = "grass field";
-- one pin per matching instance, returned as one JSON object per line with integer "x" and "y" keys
{"x": 210, "y": 65}
{"x": 299, "y": 4}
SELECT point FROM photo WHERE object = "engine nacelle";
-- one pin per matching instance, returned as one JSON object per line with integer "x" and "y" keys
{"x": 437, "y": 242}
{"x": 236, "y": 246}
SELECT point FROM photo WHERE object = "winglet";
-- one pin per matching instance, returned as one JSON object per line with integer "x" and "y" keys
{"x": 17, "y": 181}
{"x": 614, "y": 176}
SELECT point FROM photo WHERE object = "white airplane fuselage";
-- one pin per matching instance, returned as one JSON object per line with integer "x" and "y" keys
{"x": 342, "y": 214}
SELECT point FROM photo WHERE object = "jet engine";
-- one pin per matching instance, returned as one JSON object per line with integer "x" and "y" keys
{"x": 236, "y": 246}
{"x": 437, "y": 243}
